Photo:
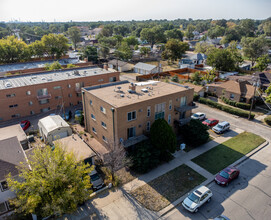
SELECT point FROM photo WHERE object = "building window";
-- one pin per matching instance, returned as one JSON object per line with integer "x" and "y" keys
{"x": 183, "y": 101}
{"x": 131, "y": 132}
{"x": 13, "y": 106}
{"x": 30, "y": 103}
{"x": 100, "y": 80}
{"x": 131, "y": 115}
{"x": 58, "y": 97}
{"x": 32, "y": 112}
{"x": 44, "y": 101}
{"x": 93, "y": 117}
{"x": 70, "y": 95}
{"x": 15, "y": 116}
{"x": 45, "y": 110}
{"x": 3, "y": 208}
{"x": 57, "y": 87}
{"x": 4, "y": 186}
{"x": 90, "y": 102}
{"x": 28, "y": 93}
{"x": 10, "y": 95}
{"x": 160, "y": 110}
{"x": 104, "y": 125}
{"x": 43, "y": 92}
{"x": 232, "y": 96}
{"x": 94, "y": 130}
{"x": 170, "y": 105}
{"x": 149, "y": 111}
{"x": 103, "y": 109}
{"x": 78, "y": 94}
{"x": 112, "y": 79}
{"x": 69, "y": 86}
{"x": 105, "y": 139}
{"x": 148, "y": 127}
{"x": 169, "y": 118}
{"x": 214, "y": 89}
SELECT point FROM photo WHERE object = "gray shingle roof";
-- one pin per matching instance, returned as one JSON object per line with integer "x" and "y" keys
{"x": 145, "y": 66}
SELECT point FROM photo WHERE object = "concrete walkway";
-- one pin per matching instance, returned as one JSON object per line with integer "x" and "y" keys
{"x": 181, "y": 157}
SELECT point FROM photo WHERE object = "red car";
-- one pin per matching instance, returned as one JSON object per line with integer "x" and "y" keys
{"x": 226, "y": 176}
{"x": 25, "y": 124}
{"x": 210, "y": 122}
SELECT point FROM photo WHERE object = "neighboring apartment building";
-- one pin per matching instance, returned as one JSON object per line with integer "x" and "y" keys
{"x": 123, "y": 112}
{"x": 29, "y": 94}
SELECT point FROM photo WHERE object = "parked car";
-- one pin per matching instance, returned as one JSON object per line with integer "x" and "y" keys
{"x": 25, "y": 124}
{"x": 199, "y": 116}
{"x": 96, "y": 180}
{"x": 221, "y": 127}
{"x": 225, "y": 176}
{"x": 210, "y": 122}
{"x": 221, "y": 217}
{"x": 197, "y": 198}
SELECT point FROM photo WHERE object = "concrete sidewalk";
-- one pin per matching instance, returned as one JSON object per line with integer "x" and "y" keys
{"x": 181, "y": 157}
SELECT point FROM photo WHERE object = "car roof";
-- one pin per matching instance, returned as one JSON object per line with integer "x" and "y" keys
{"x": 199, "y": 113}
{"x": 230, "y": 169}
{"x": 223, "y": 123}
{"x": 201, "y": 190}
{"x": 212, "y": 119}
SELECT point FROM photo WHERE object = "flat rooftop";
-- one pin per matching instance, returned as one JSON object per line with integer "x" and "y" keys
{"x": 52, "y": 76}
{"x": 117, "y": 94}
{"x": 11, "y": 131}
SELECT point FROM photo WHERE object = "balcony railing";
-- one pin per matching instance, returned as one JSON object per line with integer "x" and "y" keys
{"x": 44, "y": 96}
{"x": 134, "y": 140}
{"x": 185, "y": 108}
{"x": 78, "y": 89}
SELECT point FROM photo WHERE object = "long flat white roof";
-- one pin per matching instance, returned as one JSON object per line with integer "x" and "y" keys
{"x": 53, "y": 76}
{"x": 51, "y": 123}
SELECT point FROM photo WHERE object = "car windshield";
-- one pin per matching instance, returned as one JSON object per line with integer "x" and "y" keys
{"x": 194, "y": 198}
{"x": 208, "y": 121}
{"x": 196, "y": 115}
{"x": 224, "y": 174}
{"x": 94, "y": 177}
{"x": 219, "y": 126}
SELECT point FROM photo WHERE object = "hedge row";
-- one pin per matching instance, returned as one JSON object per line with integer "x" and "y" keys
{"x": 268, "y": 120}
{"x": 236, "y": 104}
{"x": 196, "y": 97}
{"x": 224, "y": 108}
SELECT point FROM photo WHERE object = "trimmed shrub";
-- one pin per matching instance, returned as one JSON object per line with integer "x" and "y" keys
{"x": 236, "y": 104}
{"x": 196, "y": 97}
{"x": 175, "y": 78}
{"x": 268, "y": 120}
{"x": 224, "y": 108}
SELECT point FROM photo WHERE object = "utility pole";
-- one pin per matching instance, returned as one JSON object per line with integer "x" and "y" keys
{"x": 255, "y": 82}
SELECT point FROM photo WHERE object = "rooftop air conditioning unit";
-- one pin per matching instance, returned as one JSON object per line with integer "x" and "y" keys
{"x": 8, "y": 85}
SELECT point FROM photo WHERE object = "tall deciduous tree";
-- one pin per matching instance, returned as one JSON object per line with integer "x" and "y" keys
{"x": 262, "y": 62}
{"x": 253, "y": 48}
{"x": 51, "y": 183}
{"x": 174, "y": 49}
{"x": 90, "y": 53}
{"x": 74, "y": 34}
{"x": 124, "y": 52}
{"x": 174, "y": 34}
{"x": 189, "y": 31}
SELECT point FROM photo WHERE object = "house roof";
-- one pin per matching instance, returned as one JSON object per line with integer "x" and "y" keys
{"x": 242, "y": 87}
{"x": 51, "y": 123}
{"x": 76, "y": 145}
{"x": 195, "y": 87}
{"x": 119, "y": 62}
{"x": 11, "y": 131}
{"x": 11, "y": 154}
{"x": 265, "y": 78}
{"x": 144, "y": 66}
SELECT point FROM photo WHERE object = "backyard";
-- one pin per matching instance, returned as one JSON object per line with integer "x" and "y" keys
{"x": 228, "y": 152}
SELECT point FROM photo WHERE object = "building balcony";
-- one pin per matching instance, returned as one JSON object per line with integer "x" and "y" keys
{"x": 134, "y": 140}
{"x": 185, "y": 108}
{"x": 42, "y": 97}
{"x": 182, "y": 122}
{"x": 78, "y": 90}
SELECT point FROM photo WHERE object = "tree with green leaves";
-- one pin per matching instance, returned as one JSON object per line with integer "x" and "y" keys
{"x": 103, "y": 51}
{"x": 262, "y": 62}
{"x": 145, "y": 51}
{"x": 174, "y": 34}
{"x": 253, "y": 48}
{"x": 13, "y": 50}
{"x": 267, "y": 28}
{"x": 52, "y": 183}
{"x": 216, "y": 31}
{"x": 162, "y": 137}
{"x": 54, "y": 66}
{"x": 75, "y": 35}
{"x": 131, "y": 41}
{"x": 203, "y": 47}
{"x": 55, "y": 45}
{"x": 189, "y": 31}
{"x": 153, "y": 35}
{"x": 90, "y": 53}
{"x": 174, "y": 49}
{"x": 247, "y": 27}
{"x": 124, "y": 52}
{"x": 196, "y": 77}
{"x": 37, "y": 48}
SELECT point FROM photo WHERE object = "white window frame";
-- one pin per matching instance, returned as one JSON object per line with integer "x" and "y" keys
{"x": 132, "y": 119}
{"x": 103, "y": 125}
{"x": 102, "y": 109}
{"x": 92, "y": 117}
{"x": 105, "y": 139}
{"x": 94, "y": 130}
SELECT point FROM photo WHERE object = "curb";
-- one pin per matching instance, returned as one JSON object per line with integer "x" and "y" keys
{"x": 208, "y": 182}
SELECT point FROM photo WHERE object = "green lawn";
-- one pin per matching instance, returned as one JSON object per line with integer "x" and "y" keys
{"x": 167, "y": 188}
{"x": 228, "y": 152}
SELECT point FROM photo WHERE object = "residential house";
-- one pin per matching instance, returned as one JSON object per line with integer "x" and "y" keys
{"x": 123, "y": 112}
{"x": 120, "y": 66}
{"x": 199, "y": 90}
{"x": 29, "y": 94}
{"x": 192, "y": 59}
{"x": 144, "y": 68}
{"x": 53, "y": 127}
{"x": 240, "y": 91}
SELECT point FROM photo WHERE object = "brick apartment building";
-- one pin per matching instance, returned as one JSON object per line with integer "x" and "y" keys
{"x": 122, "y": 112}
{"x": 29, "y": 94}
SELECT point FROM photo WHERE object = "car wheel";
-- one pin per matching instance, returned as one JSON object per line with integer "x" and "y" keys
{"x": 209, "y": 200}
{"x": 196, "y": 210}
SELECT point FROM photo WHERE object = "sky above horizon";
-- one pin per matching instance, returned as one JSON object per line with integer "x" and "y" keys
{"x": 105, "y": 10}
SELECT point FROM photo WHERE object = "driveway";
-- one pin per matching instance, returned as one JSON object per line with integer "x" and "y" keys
{"x": 248, "y": 197}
